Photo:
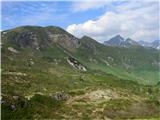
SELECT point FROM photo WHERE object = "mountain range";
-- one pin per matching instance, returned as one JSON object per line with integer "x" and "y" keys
{"x": 155, "y": 44}
{"x": 118, "y": 54}
{"x": 48, "y": 73}
{"x": 121, "y": 42}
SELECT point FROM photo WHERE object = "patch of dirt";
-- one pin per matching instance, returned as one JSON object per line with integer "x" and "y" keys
{"x": 102, "y": 94}
{"x": 94, "y": 96}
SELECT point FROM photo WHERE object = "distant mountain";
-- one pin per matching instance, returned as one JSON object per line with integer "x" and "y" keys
{"x": 40, "y": 37}
{"x": 115, "y": 41}
{"x": 53, "y": 45}
{"x": 50, "y": 68}
{"x": 144, "y": 44}
{"x": 131, "y": 42}
{"x": 121, "y": 42}
{"x": 155, "y": 44}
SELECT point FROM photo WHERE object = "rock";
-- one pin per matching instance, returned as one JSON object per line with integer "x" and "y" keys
{"x": 69, "y": 42}
{"x": 26, "y": 39}
{"x": 15, "y": 97}
{"x": 30, "y": 62}
{"x": 73, "y": 62}
{"x": 110, "y": 58}
{"x": 11, "y": 49}
{"x": 61, "y": 96}
{"x": 2, "y": 101}
{"x": 81, "y": 79}
{"x": 13, "y": 107}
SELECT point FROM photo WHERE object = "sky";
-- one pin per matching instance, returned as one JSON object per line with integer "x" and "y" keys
{"x": 101, "y": 19}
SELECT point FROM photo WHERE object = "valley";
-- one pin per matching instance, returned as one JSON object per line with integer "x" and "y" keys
{"x": 47, "y": 73}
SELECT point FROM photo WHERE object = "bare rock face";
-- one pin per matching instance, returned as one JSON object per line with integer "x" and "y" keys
{"x": 27, "y": 39}
{"x": 41, "y": 37}
{"x": 73, "y": 62}
{"x": 65, "y": 40}
{"x": 62, "y": 37}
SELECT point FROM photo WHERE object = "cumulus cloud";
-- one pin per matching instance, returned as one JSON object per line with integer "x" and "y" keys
{"x": 138, "y": 20}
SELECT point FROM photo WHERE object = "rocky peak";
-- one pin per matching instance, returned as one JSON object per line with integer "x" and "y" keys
{"x": 62, "y": 37}
{"x": 86, "y": 37}
{"x": 156, "y": 44}
{"x": 131, "y": 42}
{"x": 41, "y": 37}
{"x": 115, "y": 41}
{"x": 118, "y": 37}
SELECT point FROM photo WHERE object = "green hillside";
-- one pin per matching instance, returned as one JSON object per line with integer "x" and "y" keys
{"x": 48, "y": 73}
{"x": 135, "y": 63}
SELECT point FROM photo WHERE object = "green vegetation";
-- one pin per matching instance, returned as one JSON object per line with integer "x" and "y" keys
{"x": 120, "y": 83}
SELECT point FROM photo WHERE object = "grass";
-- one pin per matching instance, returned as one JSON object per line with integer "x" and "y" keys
{"x": 50, "y": 73}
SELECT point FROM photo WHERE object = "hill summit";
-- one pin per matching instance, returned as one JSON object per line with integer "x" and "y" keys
{"x": 47, "y": 73}
{"x": 121, "y": 42}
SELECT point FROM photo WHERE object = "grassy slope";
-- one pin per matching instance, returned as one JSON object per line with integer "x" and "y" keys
{"x": 137, "y": 63}
{"x": 138, "y": 60}
{"x": 51, "y": 73}
{"x": 46, "y": 77}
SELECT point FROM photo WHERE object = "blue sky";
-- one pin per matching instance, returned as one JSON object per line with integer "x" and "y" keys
{"x": 101, "y": 19}
{"x": 43, "y": 13}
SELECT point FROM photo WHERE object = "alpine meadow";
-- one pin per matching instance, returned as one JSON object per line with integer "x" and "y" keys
{"x": 80, "y": 60}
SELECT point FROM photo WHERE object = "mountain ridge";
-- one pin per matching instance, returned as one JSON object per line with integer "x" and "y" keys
{"x": 86, "y": 50}
{"x": 121, "y": 42}
{"x": 63, "y": 74}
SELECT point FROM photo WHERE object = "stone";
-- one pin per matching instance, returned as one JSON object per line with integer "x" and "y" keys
{"x": 13, "y": 107}
{"x": 15, "y": 97}
{"x": 73, "y": 62}
{"x": 11, "y": 49}
{"x": 61, "y": 96}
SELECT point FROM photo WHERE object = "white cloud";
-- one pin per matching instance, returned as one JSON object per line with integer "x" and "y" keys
{"x": 135, "y": 19}
{"x": 86, "y": 5}
{"x": 83, "y": 5}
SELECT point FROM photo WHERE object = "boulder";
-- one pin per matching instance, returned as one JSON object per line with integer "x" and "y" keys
{"x": 61, "y": 96}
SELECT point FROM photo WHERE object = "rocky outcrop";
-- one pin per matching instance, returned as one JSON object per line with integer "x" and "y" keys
{"x": 14, "y": 102}
{"x": 13, "y": 50}
{"x": 66, "y": 41}
{"x": 73, "y": 62}
{"x": 59, "y": 96}
{"x": 41, "y": 37}
{"x": 25, "y": 39}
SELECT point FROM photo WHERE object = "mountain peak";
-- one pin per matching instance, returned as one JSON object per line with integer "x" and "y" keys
{"x": 115, "y": 41}
{"x": 121, "y": 42}
{"x": 129, "y": 39}
{"x": 41, "y": 37}
{"x": 155, "y": 44}
{"x": 55, "y": 30}
{"x": 86, "y": 37}
{"x": 118, "y": 37}
{"x": 130, "y": 42}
